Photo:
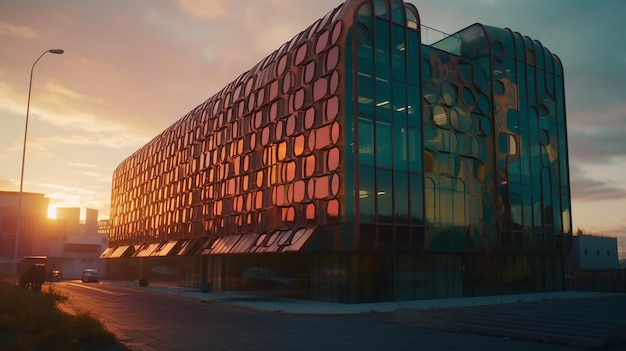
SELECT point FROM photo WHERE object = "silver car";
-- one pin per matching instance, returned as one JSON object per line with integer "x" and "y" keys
{"x": 90, "y": 275}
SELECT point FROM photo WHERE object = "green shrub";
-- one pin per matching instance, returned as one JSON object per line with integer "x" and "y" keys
{"x": 31, "y": 320}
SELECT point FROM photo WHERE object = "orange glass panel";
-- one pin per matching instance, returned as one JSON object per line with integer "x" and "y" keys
{"x": 334, "y": 184}
{"x": 310, "y": 188}
{"x": 332, "y": 108}
{"x": 258, "y": 120}
{"x": 289, "y": 193}
{"x": 282, "y": 150}
{"x": 301, "y": 54}
{"x": 265, "y": 136}
{"x": 334, "y": 133}
{"x": 249, "y": 198}
{"x": 298, "y": 191}
{"x": 310, "y": 211}
{"x": 218, "y": 208}
{"x": 322, "y": 137}
{"x": 332, "y": 58}
{"x": 298, "y": 145}
{"x": 259, "y": 200}
{"x": 311, "y": 139}
{"x": 252, "y": 142}
{"x": 320, "y": 88}
{"x": 246, "y": 162}
{"x": 273, "y": 112}
{"x": 291, "y": 214}
{"x": 259, "y": 178}
{"x": 309, "y": 72}
{"x": 309, "y": 166}
{"x": 278, "y": 130}
{"x": 291, "y": 124}
{"x": 321, "y": 188}
{"x": 309, "y": 118}
{"x": 291, "y": 171}
{"x": 333, "y": 208}
{"x": 333, "y": 159}
{"x": 322, "y": 40}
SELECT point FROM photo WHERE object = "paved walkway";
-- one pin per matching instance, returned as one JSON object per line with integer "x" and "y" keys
{"x": 576, "y": 319}
{"x": 277, "y": 304}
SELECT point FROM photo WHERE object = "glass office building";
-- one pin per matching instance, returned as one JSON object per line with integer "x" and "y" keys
{"x": 356, "y": 163}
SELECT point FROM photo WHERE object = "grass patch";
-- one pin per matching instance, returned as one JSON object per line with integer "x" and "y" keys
{"x": 31, "y": 320}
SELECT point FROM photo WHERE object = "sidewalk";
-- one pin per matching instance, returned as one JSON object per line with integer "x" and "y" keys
{"x": 278, "y": 304}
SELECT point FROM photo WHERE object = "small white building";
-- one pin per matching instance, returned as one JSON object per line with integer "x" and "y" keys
{"x": 591, "y": 252}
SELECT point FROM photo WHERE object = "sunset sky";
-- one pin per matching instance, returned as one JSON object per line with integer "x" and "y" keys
{"x": 132, "y": 68}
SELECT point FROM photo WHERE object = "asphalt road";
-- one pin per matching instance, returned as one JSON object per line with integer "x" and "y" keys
{"x": 144, "y": 320}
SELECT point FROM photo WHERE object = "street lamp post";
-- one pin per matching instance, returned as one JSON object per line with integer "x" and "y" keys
{"x": 19, "y": 201}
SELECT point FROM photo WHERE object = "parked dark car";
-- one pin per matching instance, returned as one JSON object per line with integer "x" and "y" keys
{"x": 54, "y": 275}
{"x": 33, "y": 277}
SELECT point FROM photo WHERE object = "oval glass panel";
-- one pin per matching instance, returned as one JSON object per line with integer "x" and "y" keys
{"x": 320, "y": 87}
{"x": 309, "y": 118}
{"x": 334, "y": 184}
{"x": 333, "y": 159}
{"x": 298, "y": 145}
{"x": 309, "y": 72}
{"x": 298, "y": 100}
{"x": 336, "y": 32}
{"x": 335, "y": 132}
{"x": 332, "y": 58}
{"x": 309, "y": 166}
{"x": 301, "y": 53}
{"x": 332, "y": 108}
{"x": 291, "y": 124}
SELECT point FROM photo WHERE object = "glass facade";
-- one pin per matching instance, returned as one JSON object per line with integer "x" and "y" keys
{"x": 357, "y": 164}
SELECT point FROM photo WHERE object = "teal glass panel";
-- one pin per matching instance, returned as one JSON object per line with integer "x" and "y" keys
{"x": 401, "y": 197}
{"x": 400, "y": 146}
{"x": 366, "y": 94}
{"x": 384, "y": 150}
{"x": 445, "y": 207}
{"x": 403, "y": 238}
{"x": 399, "y": 101}
{"x": 415, "y": 149}
{"x": 509, "y": 44}
{"x": 539, "y": 54}
{"x": 414, "y": 105}
{"x": 366, "y": 142}
{"x": 556, "y": 213}
{"x": 413, "y": 56}
{"x": 416, "y": 199}
{"x": 367, "y": 194}
{"x": 380, "y": 8}
{"x": 515, "y": 201}
{"x": 397, "y": 11}
{"x": 563, "y": 156}
{"x": 383, "y": 99}
{"x": 367, "y": 237}
{"x": 398, "y": 52}
{"x": 384, "y": 195}
{"x": 430, "y": 202}
{"x": 560, "y": 100}
{"x": 382, "y": 47}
